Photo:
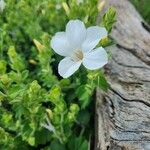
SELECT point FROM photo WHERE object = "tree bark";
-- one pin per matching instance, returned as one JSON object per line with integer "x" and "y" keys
{"x": 123, "y": 113}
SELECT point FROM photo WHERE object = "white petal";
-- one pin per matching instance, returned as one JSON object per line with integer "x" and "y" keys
{"x": 68, "y": 66}
{"x": 76, "y": 33}
{"x": 94, "y": 35}
{"x": 60, "y": 44}
{"x": 95, "y": 59}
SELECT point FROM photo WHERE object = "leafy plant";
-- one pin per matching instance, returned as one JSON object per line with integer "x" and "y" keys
{"x": 31, "y": 89}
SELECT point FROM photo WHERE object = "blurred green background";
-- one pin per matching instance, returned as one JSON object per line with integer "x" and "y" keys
{"x": 143, "y": 6}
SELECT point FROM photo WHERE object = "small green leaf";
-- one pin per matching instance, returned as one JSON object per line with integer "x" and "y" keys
{"x": 102, "y": 82}
{"x": 84, "y": 94}
{"x": 84, "y": 117}
{"x": 56, "y": 145}
{"x": 31, "y": 141}
{"x": 55, "y": 94}
{"x": 109, "y": 19}
{"x": 3, "y": 64}
{"x": 17, "y": 63}
{"x": 78, "y": 143}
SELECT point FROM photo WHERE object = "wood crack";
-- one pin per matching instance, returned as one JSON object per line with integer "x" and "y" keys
{"x": 121, "y": 64}
{"x": 133, "y": 51}
{"x": 131, "y": 100}
{"x": 146, "y": 26}
{"x": 130, "y": 140}
{"x": 124, "y": 111}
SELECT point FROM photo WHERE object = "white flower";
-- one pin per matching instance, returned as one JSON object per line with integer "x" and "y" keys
{"x": 2, "y": 5}
{"x": 77, "y": 45}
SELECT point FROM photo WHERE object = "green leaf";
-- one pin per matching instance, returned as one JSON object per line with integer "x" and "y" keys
{"x": 84, "y": 117}
{"x": 78, "y": 143}
{"x": 31, "y": 141}
{"x": 55, "y": 94}
{"x": 25, "y": 74}
{"x": 102, "y": 82}
{"x": 3, "y": 64}
{"x": 56, "y": 145}
{"x": 84, "y": 94}
{"x": 84, "y": 145}
{"x": 43, "y": 137}
{"x": 109, "y": 19}
{"x": 17, "y": 63}
{"x": 14, "y": 91}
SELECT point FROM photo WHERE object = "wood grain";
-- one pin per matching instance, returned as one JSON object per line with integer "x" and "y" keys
{"x": 123, "y": 114}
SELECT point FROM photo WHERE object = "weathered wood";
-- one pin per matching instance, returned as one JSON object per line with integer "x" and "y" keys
{"x": 123, "y": 114}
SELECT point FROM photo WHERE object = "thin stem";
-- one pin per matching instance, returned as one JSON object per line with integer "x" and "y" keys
{"x": 82, "y": 131}
{"x": 61, "y": 123}
{"x": 98, "y": 80}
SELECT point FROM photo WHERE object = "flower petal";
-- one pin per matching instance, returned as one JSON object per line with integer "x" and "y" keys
{"x": 68, "y": 66}
{"x": 94, "y": 35}
{"x": 76, "y": 33}
{"x": 95, "y": 59}
{"x": 60, "y": 44}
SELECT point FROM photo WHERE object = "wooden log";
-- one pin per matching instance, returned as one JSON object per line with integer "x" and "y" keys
{"x": 123, "y": 113}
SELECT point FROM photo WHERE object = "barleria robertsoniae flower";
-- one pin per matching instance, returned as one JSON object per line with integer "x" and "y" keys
{"x": 78, "y": 44}
{"x": 2, "y": 5}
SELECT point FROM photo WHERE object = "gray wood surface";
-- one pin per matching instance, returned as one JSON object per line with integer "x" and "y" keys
{"x": 123, "y": 114}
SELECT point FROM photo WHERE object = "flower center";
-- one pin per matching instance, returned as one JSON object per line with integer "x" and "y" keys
{"x": 78, "y": 54}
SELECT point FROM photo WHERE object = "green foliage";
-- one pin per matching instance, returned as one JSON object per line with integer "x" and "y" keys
{"x": 84, "y": 117}
{"x": 78, "y": 143}
{"x": 16, "y": 62}
{"x": 143, "y": 7}
{"x": 55, "y": 145}
{"x": 31, "y": 89}
{"x": 109, "y": 19}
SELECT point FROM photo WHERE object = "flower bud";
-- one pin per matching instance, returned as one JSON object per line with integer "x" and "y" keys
{"x": 39, "y": 46}
{"x": 104, "y": 41}
{"x": 50, "y": 113}
{"x": 66, "y": 7}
